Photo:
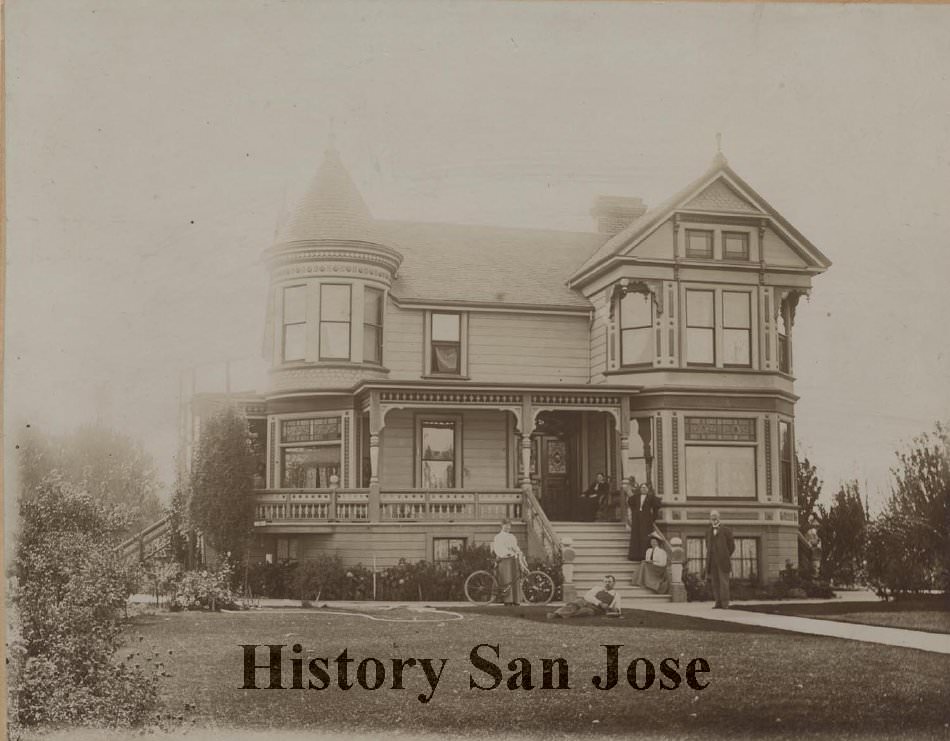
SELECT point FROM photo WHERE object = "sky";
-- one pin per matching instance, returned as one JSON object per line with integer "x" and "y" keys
{"x": 154, "y": 147}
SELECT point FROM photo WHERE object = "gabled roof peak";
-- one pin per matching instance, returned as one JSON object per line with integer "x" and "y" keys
{"x": 331, "y": 208}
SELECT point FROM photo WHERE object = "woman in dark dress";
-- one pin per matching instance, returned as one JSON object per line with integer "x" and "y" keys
{"x": 644, "y": 507}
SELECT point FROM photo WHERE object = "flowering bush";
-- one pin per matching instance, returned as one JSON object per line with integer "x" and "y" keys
{"x": 204, "y": 590}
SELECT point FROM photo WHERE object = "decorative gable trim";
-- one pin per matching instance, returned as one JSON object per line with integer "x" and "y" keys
{"x": 719, "y": 196}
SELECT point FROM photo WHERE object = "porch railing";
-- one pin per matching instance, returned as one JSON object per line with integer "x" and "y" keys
{"x": 395, "y": 505}
{"x": 327, "y": 505}
{"x": 408, "y": 505}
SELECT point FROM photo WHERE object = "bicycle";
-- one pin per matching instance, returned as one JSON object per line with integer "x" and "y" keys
{"x": 536, "y": 586}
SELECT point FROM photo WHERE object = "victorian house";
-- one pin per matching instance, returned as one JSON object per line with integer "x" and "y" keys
{"x": 427, "y": 380}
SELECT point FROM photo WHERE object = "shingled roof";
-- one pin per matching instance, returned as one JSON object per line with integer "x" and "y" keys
{"x": 332, "y": 208}
{"x": 470, "y": 264}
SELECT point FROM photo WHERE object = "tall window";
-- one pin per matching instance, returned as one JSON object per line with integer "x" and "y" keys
{"x": 735, "y": 245}
{"x": 446, "y": 333}
{"x": 700, "y": 328}
{"x": 437, "y": 453}
{"x": 745, "y": 558}
{"x": 334, "y": 322}
{"x": 636, "y": 329}
{"x": 310, "y": 452}
{"x": 295, "y": 323}
{"x": 785, "y": 458}
{"x": 736, "y": 328}
{"x": 784, "y": 359}
{"x": 372, "y": 325}
{"x": 720, "y": 457}
{"x": 699, "y": 243}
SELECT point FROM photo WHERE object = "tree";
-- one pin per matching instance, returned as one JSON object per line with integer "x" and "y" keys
{"x": 103, "y": 462}
{"x": 809, "y": 491}
{"x": 222, "y": 479}
{"x": 843, "y": 533}
{"x": 920, "y": 502}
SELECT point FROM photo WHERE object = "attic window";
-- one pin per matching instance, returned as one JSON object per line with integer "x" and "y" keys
{"x": 735, "y": 245}
{"x": 699, "y": 243}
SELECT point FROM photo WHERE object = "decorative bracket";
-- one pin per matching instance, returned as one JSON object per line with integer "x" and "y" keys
{"x": 787, "y": 303}
{"x": 651, "y": 288}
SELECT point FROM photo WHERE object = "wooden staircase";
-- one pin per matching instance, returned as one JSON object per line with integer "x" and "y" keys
{"x": 600, "y": 548}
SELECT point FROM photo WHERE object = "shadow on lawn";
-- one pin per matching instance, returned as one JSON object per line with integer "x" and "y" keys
{"x": 631, "y": 618}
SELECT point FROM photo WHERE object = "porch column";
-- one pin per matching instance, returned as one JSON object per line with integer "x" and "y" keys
{"x": 624, "y": 456}
{"x": 527, "y": 429}
{"x": 375, "y": 428}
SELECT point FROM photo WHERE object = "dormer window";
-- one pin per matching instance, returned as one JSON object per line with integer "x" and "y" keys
{"x": 294, "y": 338}
{"x": 699, "y": 243}
{"x": 334, "y": 322}
{"x": 735, "y": 245}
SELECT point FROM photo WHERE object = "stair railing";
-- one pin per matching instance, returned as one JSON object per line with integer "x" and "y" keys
{"x": 540, "y": 530}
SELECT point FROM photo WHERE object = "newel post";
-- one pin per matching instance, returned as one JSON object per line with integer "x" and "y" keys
{"x": 568, "y": 590}
{"x": 677, "y": 559}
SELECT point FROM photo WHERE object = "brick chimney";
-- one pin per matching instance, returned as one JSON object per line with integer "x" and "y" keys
{"x": 613, "y": 214}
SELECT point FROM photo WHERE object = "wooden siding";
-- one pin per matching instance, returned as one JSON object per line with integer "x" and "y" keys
{"x": 522, "y": 348}
{"x": 485, "y": 457}
{"x": 598, "y": 337}
{"x": 402, "y": 338}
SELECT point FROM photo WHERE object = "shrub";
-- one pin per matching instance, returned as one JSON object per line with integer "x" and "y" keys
{"x": 70, "y": 594}
{"x": 204, "y": 590}
{"x": 271, "y": 579}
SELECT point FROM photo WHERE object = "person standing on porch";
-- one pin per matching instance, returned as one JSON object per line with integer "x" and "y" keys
{"x": 719, "y": 548}
{"x": 644, "y": 509}
{"x": 508, "y": 570}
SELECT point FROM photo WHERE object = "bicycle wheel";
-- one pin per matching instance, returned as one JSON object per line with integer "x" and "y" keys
{"x": 537, "y": 587}
{"x": 479, "y": 587}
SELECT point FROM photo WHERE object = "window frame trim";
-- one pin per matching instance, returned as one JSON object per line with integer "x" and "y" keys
{"x": 280, "y": 444}
{"x": 427, "y": 343}
{"x": 419, "y": 418}
{"x": 713, "y": 328}
{"x": 649, "y": 327}
{"x": 284, "y": 323}
{"x": 349, "y": 323}
{"x": 380, "y": 327}
{"x": 711, "y": 233}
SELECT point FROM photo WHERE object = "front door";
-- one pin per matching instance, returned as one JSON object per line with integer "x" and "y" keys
{"x": 555, "y": 478}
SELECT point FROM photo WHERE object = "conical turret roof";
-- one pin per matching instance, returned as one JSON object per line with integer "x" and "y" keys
{"x": 331, "y": 209}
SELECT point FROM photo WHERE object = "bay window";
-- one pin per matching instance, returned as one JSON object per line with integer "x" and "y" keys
{"x": 372, "y": 325}
{"x": 310, "y": 452}
{"x": 736, "y": 328}
{"x": 636, "y": 329}
{"x": 294, "y": 323}
{"x": 700, "y": 327}
{"x": 720, "y": 457}
{"x": 334, "y": 322}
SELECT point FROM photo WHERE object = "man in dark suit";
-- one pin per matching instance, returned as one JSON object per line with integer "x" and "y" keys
{"x": 719, "y": 548}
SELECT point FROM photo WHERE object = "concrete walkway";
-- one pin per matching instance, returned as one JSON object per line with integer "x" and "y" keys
{"x": 933, "y": 642}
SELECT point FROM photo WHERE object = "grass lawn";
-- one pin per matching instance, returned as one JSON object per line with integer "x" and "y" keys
{"x": 761, "y": 682}
{"x": 930, "y": 614}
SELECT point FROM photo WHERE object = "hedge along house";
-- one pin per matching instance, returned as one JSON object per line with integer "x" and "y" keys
{"x": 428, "y": 380}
